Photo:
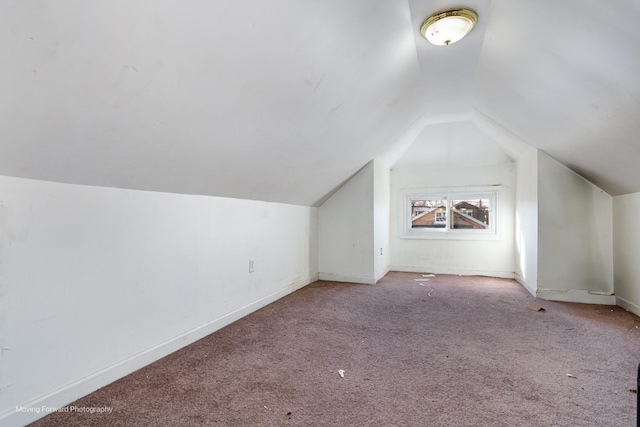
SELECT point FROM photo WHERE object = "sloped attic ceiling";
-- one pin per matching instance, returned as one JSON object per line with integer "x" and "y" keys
{"x": 452, "y": 144}
{"x": 565, "y": 77}
{"x": 284, "y": 100}
{"x": 278, "y": 101}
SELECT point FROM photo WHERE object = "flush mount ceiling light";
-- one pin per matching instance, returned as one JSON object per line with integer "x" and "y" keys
{"x": 448, "y": 26}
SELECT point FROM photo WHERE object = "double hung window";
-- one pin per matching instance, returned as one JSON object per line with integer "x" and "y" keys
{"x": 449, "y": 213}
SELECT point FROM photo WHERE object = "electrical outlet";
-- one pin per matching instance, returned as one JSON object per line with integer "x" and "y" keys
{"x": 252, "y": 265}
{"x": 380, "y": 251}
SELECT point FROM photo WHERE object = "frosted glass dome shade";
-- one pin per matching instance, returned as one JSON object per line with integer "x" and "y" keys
{"x": 449, "y": 26}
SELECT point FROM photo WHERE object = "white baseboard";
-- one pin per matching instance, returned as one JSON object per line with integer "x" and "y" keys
{"x": 367, "y": 280}
{"x": 330, "y": 277}
{"x": 381, "y": 275}
{"x": 525, "y": 285}
{"x": 411, "y": 269}
{"x": 628, "y": 305}
{"x": 579, "y": 296}
{"x": 73, "y": 391}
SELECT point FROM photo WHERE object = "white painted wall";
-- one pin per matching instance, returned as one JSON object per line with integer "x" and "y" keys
{"x": 575, "y": 240}
{"x": 381, "y": 218}
{"x": 526, "y": 221}
{"x": 346, "y": 231}
{"x": 98, "y": 282}
{"x": 493, "y": 257}
{"x": 626, "y": 235}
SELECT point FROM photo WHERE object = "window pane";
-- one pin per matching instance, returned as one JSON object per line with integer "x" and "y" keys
{"x": 472, "y": 214}
{"x": 428, "y": 213}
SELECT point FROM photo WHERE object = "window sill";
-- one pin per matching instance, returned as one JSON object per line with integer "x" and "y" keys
{"x": 449, "y": 236}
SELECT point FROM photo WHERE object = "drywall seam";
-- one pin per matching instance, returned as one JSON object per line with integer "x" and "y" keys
{"x": 73, "y": 391}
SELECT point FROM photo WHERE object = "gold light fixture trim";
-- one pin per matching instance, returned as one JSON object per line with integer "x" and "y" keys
{"x": 448, "y": 26}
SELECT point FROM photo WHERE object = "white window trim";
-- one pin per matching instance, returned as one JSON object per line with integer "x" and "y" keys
{"x": 491, "y": 192}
